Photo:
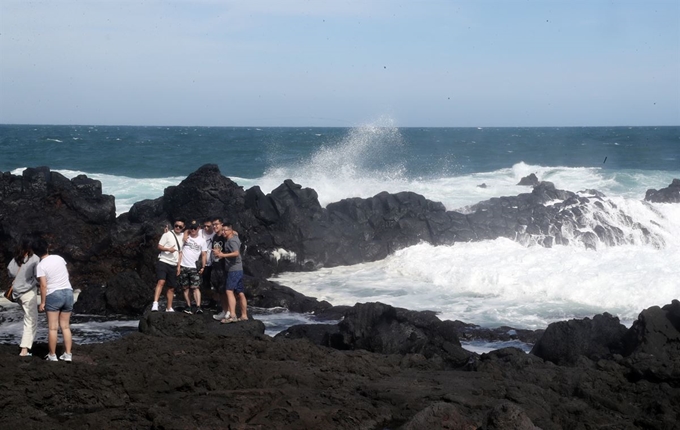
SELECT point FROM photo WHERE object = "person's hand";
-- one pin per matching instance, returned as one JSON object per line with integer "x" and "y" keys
{"x": 41, "y": 307}
{"x": 171, "y": 249}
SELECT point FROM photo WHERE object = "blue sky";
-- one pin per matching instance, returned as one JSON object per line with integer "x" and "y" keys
{"x": 340, "y": 63}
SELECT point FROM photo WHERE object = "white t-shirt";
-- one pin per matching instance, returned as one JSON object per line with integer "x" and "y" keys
{"x": 208, "y": 241}
{"x": 168, "y": 241}
{"x": 53, "y": 268}
{"x": 191, "y": 251}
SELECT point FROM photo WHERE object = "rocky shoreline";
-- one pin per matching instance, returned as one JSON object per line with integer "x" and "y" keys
{"x": 381, "y": 367}
{"x": 388, "y": 368}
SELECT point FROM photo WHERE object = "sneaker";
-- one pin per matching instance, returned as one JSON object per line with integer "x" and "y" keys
{"x": 51, "y": 357}
{"x": 220, "y": 316}
{"x": 28, "y": 354}
{"x": 229, "y": 320}
{"x": 170, "y": 310}
{"x": 187, "y": 311}
{"x": 199, "y": 310}
{"x": 66, "y": 357}
{"x": 154, "y": 307}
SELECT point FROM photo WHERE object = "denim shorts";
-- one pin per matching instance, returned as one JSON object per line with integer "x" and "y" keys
{"x": 60, "y": 300}
{"x": 235, "y": 281}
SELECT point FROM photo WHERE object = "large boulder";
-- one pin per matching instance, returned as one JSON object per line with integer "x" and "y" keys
{"x": 125, "y": 294}
{"x": 670, "y": 194}
{"x": 655, "y": 332}
{"x": 72, "y": 215}
{"x": 384, "y": 329}
{"x": 199, "y": 326}
{"x": 564, "y": 342}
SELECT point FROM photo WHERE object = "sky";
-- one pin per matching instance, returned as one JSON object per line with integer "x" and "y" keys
{"x": 418, "y": 63}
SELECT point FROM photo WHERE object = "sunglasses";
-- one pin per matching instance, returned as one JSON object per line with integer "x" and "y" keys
{"x": 193, "y": 228}
{"x": 179, "y": 226}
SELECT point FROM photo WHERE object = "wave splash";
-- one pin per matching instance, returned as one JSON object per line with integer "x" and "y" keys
{"x": 361, "y": 164}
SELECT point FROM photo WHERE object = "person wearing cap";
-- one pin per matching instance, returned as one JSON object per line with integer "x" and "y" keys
{"x": 189, "y": 272}
{"x": 168, "y": 263}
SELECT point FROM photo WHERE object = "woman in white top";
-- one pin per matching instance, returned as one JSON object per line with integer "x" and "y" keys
{"x": 56, "y": 298}
{"x": 25, "y": 292}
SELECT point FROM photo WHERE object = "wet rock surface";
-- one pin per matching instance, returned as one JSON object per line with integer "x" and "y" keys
{"x": 250, "y": 381}
{"x": 670, "y": 194}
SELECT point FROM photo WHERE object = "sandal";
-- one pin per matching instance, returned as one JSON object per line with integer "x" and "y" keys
{"x": 228, "y": 320}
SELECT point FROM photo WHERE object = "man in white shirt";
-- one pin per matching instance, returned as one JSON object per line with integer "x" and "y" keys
{"x": 167, "y": 266}
{"x": 193, "y": 251}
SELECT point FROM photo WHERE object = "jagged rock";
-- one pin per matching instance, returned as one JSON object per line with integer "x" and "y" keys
{"x": 530, "y": 180}
{"x": 266, "y": 294}
{"x": 381, "y": 328}
{"x": 655, "y": 332}
{"x": 565, "y": 341}
{"x": 440, "y": 415}
{"x": 670, "y": 194}
{"x": 199, "y": 326}
{"x": 508, "y": 416}
{"x": 286, "y": 230}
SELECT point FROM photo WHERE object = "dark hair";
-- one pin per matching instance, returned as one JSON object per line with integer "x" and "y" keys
{"x": 23, "y": 249}
{"x": 39, "y": 246}
{"x": 227, "y": 224}
{"x": 180, "y": 220}
{"x": 216, "y": 218}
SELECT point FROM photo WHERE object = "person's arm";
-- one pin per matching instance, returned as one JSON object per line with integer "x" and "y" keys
{"x": 43, "y": 293}
{"x": 13, "y": 268}
{"x": 204, "y": 260}
{"x": 179, "y": 262}
{"x": 231, "y": 254}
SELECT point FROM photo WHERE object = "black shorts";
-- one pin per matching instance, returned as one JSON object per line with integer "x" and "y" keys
{"x": 217, "y": 277}
{"x": 207, "y": 272}
{"x": 167, "y": 272}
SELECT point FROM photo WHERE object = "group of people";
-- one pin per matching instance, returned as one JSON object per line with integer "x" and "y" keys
{"x": 191, "y": 256}
{"x": 33, "y": 267}
{"x": 199, "y": 255}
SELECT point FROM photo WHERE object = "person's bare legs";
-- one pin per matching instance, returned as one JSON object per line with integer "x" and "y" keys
{"x": 244, "y": 306}
{"x": 186, "y": 297}
{"x": 170, "y": 295}
{"x": 65, "y": 326}
{"x": 159, "y": 289}
{"x": 197, "y": 296}
{"x": 52, "y": 330}
{"x": 224, "y": 302}
{"x": 231, "y": 299}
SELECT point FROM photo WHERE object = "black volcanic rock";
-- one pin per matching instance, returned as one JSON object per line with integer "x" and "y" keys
{"x": 187, "y": 376}
{"x": 670, "y": 194}
{"x": 384, "y": 329}
{"x": 655, "y": 332}
{"x": 286, "y": 230}
{"x": 125, "y": 294}
{"x": 530, "y": 180}
{"x": 73, "y": 215}
{"x": 197, "y": 326}
{"x": 565, "y": 341}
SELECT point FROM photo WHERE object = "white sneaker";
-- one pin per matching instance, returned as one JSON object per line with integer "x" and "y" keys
{"x": 170, "y": 310}
{"x": 66, "y": 357}
{"x": 51, "y": 357}
{"x": 221, "y": 316}
{"x": 154, "y": 307}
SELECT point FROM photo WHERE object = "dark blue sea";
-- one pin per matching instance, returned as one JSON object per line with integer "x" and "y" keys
{"x": 491, "y": 283}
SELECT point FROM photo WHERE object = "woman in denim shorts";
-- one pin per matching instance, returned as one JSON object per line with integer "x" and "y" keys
{"x": 56, "y": 298}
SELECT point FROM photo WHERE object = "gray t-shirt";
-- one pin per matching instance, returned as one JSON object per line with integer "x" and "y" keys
{"x": 234, "y": 263}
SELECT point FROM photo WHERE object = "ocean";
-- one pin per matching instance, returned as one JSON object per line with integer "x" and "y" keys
{"x": 490, "y": 283}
